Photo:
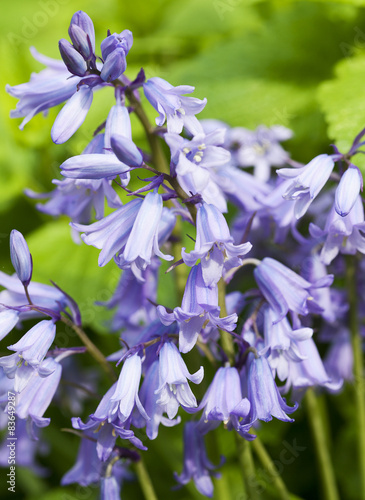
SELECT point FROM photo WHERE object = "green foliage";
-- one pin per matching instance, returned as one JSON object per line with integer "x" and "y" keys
{"x": 343, "y": 103}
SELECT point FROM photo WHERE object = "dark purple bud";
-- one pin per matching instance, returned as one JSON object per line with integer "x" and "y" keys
{"x": 20, "y": 257}
{"x": 115, "y": 64}
{"x": 81, "y": 41}
{"x": 74, "y": 61}
{"x": 126, "y": 151}
{"x": 83, "y": 21}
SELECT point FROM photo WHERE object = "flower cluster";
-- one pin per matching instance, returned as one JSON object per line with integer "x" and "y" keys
{"x": 260, "y": 341}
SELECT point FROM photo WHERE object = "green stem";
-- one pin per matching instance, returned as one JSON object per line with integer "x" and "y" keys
{"x": 221, "y": 484}
{"x": 145, "y": 481}
{"x": 329, "y": 487}
{"x": 248, "y": 467}
{"x": 358, "y": 366}
{"x": 91, "y": 347}
{"x": 179, "y": 272}
{"x": 269, "y": 465}
{"x": 227, "y": 341}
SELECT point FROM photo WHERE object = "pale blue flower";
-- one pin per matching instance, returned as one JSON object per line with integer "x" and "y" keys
{"x": 306, "y": 182}
{"x": 179, "y": 111}
{"x": 214, "y": 245}
{"x": 173, "y": 388}
{"x": 348, "y": 190}
{"x": 21, "y": 257}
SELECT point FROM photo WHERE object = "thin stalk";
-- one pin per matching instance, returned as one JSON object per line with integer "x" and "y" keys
{"x": 269, "y": 465}
{"x": 329, "y": 487}
{"x": 358, "y": 366}
{"x": 179, "y": 271}
{"x": 221, "y": 485}
{"x": 248, "y": 467}
{"x": 145, "y": 481}
{"x": 91, "y": 347}
{"x": 227, "y": 341}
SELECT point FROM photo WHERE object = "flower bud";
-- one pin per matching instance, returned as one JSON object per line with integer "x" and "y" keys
{"x": 83, "y": 21}
{"x": 80, "y": 41}
{"x": 124, "y": 40}
{"x": 348, "y": 190}
{"x": 21, "y": 257}
{"x": 115, "y": 64}
{"x": 126, "y": 151}
{"x": 74, "y": 61}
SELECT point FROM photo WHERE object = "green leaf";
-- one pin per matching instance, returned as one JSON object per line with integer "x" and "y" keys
{"x": 74, "y": 268}
{"x": 343, "y": 103}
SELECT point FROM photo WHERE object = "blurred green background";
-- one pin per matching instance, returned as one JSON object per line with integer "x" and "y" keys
{"x": 296, "y": 63}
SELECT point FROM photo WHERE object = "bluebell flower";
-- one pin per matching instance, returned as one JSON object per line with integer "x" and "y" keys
{"x": 306, "y": 182}
{"x": 88, "y": 467}
{"x": 309, "y": 371}
{"x": 45, "y": 296}
{"x": 98, "y": 161}
{"x": 348, "y": 190}
{"x": 151, "y": 401}
{"x": 263, "y": 394}
{"x": 106, "y": 433}
{"x": 279, "y": 335}
{"x": 82, "y": 34}
{"x": 214, "y": 245}
{"x": 285, "y": 290}
{"x": 111, "y": 233}
{"x": 114, "y": 66}
{"x": 143, "y": 241}
{"x": 339, "y": 360}
{"x": 109, "y": 488}
{"x": 8, "y": 319}
{"x": 179, "y": 111}
{"x": 45, "y": 90}
{"x": 223, "y": 402}
{"x": 242, "y": 188}
{"x": 114, "y": 49}
{"x": 126, "y": 151}
{"x": 341, "y": 234}
{"x": 72, "y": 115}
{"x": 77, "y": 198}
{"x": 197, "y": 466}
{"x": 330, "y": 300}
{"x": 21, "y": 257}
{"x": 196, "y": 163}
{"x": 199, "y": 307}
{"x": 73, "y": 60}
{"x": 258, "y": 148}
{"x": 131, "y": 233}
{"x": 118, "y": 124}
{"x": 35, "y": 398}
{"x": 124, "y": 397}
{"x": 115, "y": 40}
{"x": 173, "y": 388}
{"x": 34, "y": 345}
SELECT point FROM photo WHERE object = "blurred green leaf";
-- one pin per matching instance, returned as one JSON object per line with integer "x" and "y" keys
{"x": 343, "y": 103}
{"x": 74, "y": 268}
